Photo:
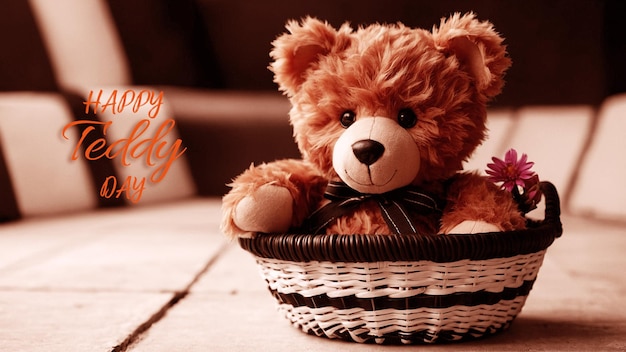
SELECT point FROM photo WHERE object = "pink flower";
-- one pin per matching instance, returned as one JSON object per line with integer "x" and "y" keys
{"x": 510, "y": 171}
{"x": 517, "y": 178}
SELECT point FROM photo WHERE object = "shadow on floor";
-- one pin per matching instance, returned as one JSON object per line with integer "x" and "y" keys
{"x": 560, "y": 334}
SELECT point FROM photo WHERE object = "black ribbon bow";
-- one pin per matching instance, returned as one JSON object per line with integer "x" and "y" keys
{"x": 397, "y": 207}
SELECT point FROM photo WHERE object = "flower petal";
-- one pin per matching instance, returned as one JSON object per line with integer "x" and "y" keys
{"x": 523, "y": 159}
{"x": 511, "y": 156}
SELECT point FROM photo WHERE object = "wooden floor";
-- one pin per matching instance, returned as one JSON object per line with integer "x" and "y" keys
{"x": 164, "y": 279}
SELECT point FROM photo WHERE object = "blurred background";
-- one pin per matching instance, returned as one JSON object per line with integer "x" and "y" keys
{"x": 564, "y": 51}
{"x": 211, "y": 58}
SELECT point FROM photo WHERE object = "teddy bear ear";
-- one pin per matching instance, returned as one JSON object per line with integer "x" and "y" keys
{"x": 478, "y": 47}
{"x": 301, "y": 48}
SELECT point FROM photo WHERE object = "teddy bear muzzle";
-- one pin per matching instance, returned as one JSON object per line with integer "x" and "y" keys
{"x": 376, "y": 155}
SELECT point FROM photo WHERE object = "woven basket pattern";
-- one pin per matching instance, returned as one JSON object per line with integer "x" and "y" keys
{"x": 399, "y": 279}
{"x": 404, "y": 302}
{"x": 393, "y": 326}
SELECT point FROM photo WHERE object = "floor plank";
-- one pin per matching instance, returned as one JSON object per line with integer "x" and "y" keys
{"x": 146, "y": 249}
{"x": 51, "y": 321}
{"x": 89, "y": 281}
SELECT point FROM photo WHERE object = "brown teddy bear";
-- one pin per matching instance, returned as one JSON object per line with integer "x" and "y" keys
{"x": 384, "y": 116}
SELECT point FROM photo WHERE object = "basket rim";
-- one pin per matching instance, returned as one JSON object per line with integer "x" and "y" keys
{"x": 443, "y": 248}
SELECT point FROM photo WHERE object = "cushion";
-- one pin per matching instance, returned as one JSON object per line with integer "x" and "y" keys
{"x": 599, "y": 189}
{"x": 44, "y": 179}
{"x": 553, "y": 137}
{"x": 84, "y": 48}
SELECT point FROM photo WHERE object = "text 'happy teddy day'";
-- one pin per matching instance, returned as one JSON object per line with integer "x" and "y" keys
{"x": 147, "y": 141}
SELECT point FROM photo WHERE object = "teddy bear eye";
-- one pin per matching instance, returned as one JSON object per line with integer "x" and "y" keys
{"x": 407, "y": 118}
{"x": 347, "y": 118}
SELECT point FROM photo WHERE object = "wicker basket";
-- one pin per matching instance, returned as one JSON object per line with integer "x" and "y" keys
{"x": 405, "y": 289}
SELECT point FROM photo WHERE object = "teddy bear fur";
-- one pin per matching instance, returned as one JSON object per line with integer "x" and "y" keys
{"x": 445, "y": 77}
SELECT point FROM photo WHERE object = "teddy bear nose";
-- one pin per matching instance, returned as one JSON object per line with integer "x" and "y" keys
{"x": 368, "y": 151}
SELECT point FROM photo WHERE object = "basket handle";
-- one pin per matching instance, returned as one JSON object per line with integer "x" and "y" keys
{"x": 553, "y": 204}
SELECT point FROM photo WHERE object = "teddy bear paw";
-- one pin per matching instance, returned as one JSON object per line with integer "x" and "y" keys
{"x": 474, "y": 226}
{"x": 268, "y": 209}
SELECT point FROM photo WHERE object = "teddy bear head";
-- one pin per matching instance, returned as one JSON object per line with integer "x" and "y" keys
{"x": 385, "y": 106}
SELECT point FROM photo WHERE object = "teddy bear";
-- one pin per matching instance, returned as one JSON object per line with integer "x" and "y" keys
{"x": 384, "y": 116}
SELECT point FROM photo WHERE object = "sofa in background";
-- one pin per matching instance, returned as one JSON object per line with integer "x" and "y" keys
{"x": 561, "y": 105}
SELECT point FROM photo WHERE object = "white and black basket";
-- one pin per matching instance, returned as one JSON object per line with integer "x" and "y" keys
{"x": 405, "y": 289}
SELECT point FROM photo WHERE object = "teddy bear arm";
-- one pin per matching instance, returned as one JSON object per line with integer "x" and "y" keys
{"x": 271, "y": 197}
{"x": 476, "y": 205}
